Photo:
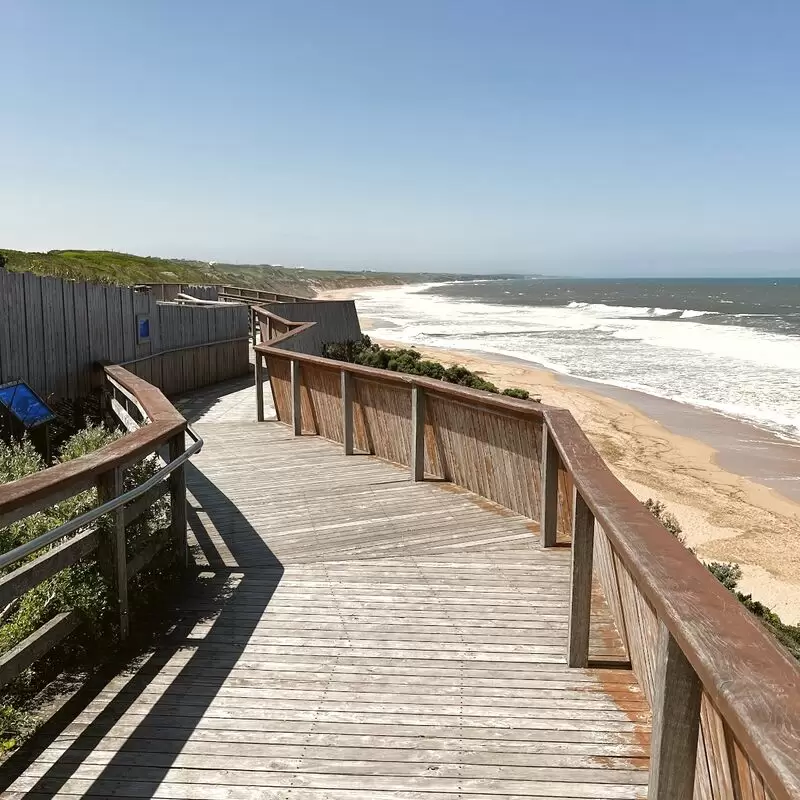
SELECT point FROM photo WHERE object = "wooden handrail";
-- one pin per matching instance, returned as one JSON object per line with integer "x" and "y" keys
{"x": 161, "y": 424}
{"x": 754, "y": 682}
{"x": 261, "y": 312}
{"x": 257, "y": 295}
{"x": 40, "y": 490}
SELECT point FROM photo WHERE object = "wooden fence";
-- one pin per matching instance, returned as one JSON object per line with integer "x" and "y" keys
{"x": 168, "y": 292}
{"x": 53, "y": 332}
{"x": 724, "y": 695}
{"x": 324, "y": 322}
{"x": 152, "y": 423}
{"x": 258, "y": 296}
{"x": 197, "y": 346}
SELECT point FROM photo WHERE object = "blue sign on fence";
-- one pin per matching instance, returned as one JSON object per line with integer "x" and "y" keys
{"x": 25, "y": 405}
{"x": 142, "y": 328}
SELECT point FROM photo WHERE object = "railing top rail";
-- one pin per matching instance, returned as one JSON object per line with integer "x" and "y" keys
{"x": 93, "y": 514}
{"x": 246, "y": 293}
{"x": 295, "y": 328}
{"x": 27, "y": 495}
{"x": 262, "y": 312}
{"x": 750, "y": 679}
{"x": 498, "y": 403}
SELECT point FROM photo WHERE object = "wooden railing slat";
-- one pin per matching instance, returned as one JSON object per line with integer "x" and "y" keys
{"x": 417, "y": 433}
{"x": 347, "y": 412}
{"x": 580, "y": 583}
{"x": 30, "y": 650}
{"x": 111, "y": 551}
{"x": 676, "y": 722}
{"x": 297, "y": 420}
{"x": 123, "y": 416}
{"x": 19, "y": 581}
{"x": 177, "y": 488}
{"x": 143, "y": 504}
{"x": 259, "y": 378}
{"x": 154, "y": 546}
{"x": 548, "y": 519}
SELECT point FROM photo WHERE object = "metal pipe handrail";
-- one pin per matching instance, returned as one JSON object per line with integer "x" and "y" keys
{"x": 181, "y": 349}
{"x": 18, "y": 553}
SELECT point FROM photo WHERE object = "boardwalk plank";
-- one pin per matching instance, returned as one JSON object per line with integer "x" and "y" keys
{"x": 354, "y": 635}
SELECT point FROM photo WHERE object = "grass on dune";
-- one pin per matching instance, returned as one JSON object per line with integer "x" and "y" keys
{"x": 126, "y": 269}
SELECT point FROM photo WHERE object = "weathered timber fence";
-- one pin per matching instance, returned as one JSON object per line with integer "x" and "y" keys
{"x": 152, "y": 424}
{"x": 724, "y": 695}
{"x": 332, "y": 321}
{"x": 168, "y": 292}
{"x": 53, "y": 331}
{"x": 198, "y": 346}
{"x": 258, "y": 296}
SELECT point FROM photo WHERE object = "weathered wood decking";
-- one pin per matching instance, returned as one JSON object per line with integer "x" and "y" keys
{"x": 356, "y": 636}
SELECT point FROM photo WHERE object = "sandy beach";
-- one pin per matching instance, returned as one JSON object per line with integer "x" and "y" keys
{"x": 730, "y": 485}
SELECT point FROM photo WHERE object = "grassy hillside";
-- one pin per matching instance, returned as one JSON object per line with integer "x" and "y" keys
{"x": 126, "y": 269}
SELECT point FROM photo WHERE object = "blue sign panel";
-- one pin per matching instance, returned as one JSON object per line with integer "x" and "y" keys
{"x": 25, "y": 404}
{"x": 142, "y": 328}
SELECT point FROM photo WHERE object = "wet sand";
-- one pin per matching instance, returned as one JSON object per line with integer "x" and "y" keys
{"x": 734, "y": 487}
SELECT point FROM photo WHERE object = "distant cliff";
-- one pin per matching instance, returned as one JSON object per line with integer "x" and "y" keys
{"x": 126, "y": 269}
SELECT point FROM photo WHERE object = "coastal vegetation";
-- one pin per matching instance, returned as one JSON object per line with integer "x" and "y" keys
{"x": 411, "y": 362}
{"x": 729, "y": 575}
{"x": 108, "y": 266}
{"x": 80, "y": 587}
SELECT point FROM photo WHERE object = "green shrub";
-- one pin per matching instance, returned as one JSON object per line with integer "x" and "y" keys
{"x": 80, "y": 587}
{"x": 15, "y": 725}
{"x": 410, "y": 362}
{"x": 729, "y": 575}
{"x": 666, "y": 518}
{"x": 520, "y": 394}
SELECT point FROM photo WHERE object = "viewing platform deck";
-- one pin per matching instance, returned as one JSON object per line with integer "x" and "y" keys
{"x": 354, "y": 636}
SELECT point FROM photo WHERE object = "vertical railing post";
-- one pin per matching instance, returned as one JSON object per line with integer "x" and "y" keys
{"x": 581, "y": 582}
{"x": 112, "y": 556}
{"x": 253, "y": 324}
{"x": 259, "y": 387}
{"x": 297, "y": 422}
{"x": 417, "y": 433}
{"x": 347, "y": 412}
{"x": 177, "y": 494}
{"x": 676, "y": 722}
{"x": 549, "y": 492}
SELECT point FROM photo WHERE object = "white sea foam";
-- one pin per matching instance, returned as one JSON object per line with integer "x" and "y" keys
{"x": 736, "y": 370}
{"x": 690, "y": 312}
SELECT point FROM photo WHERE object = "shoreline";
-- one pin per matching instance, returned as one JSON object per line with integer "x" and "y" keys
{"x": 734, "y": 487}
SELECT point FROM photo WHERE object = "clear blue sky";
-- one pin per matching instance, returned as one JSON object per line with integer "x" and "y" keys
{"x": 541, "y": 135}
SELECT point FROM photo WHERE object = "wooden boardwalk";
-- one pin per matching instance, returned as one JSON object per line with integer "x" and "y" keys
{"x": 355, "y": 636}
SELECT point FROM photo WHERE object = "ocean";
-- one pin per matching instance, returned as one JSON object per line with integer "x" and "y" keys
{"x": 732, "y": 346}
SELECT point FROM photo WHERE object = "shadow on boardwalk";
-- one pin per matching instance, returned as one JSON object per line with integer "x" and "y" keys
{"x": 220, "y": 399}
{"x": 223, "y": 598}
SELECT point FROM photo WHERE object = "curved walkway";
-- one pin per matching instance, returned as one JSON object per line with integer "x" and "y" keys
{"x": 354, "y": 636}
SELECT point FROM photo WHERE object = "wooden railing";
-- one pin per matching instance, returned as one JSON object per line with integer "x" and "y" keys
{"x": 725, "y": 697}
{"x": 152, "y": 424}
{"x": 247, "y": 295}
